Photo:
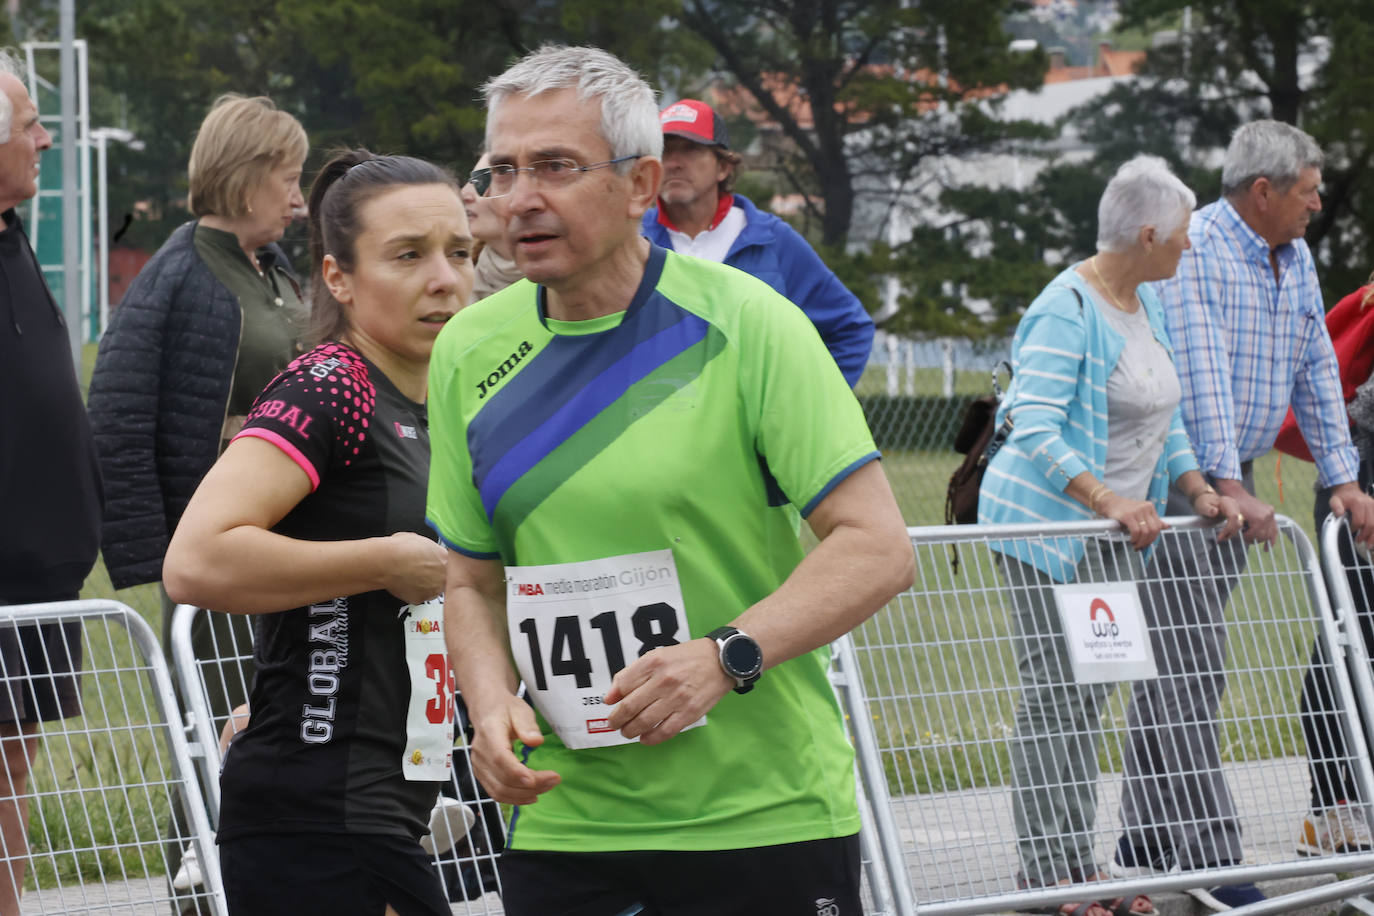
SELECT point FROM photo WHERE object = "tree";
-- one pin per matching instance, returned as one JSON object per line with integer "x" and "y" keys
{"x": 1305, "y": 63}
{"x": 398, "y": 76}
{"x": 884, "y": 83}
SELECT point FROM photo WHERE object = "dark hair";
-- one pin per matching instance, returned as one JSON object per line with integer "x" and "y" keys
{"x": 346, "y": 182}
{"x": 731, "y": 158}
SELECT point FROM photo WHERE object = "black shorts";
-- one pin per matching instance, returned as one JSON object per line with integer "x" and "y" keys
{"x": 40, "y": 666}
{"x": 814, "y": 878}
{"x": 343, "y": 874}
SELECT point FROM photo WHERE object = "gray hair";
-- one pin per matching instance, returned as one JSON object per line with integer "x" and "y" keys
{"x": 13, "y": 64}
{"x": 1268, "y": 149}
{"x": 1143, "y": 192}
{"x": 629, "y": 112}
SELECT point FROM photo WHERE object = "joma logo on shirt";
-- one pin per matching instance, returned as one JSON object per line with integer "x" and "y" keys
{"x": 495, "y": 376}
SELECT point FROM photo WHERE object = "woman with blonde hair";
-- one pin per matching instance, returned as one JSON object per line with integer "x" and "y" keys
{"x": 212, "y": 317}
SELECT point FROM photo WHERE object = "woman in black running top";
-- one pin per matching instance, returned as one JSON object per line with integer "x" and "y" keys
{"x": 314, "y": 519}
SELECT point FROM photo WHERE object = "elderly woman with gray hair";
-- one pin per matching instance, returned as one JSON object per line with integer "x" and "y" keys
{"x": 1095, "y": 431}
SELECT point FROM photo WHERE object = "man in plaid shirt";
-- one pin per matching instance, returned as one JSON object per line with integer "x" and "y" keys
{"x": 1246, "y": 319}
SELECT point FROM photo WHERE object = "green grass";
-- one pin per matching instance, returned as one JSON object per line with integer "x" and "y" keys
{"x": 954, "y": 687}
{"x": 926, "y": 381}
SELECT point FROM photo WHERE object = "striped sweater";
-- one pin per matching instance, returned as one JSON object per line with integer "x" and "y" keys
{"x": 1063, "y": 352}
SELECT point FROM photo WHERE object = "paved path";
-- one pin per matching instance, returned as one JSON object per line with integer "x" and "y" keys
{"x": 959, "y": 845}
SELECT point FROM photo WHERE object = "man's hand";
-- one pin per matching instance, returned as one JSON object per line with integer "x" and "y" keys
{"x": 1349, "y": 498}
{"x": 1210, "y": 504}
{"x": 1260, "y": 526}
{"x": 664, "y": 691}
{"x": 495, "y": 765}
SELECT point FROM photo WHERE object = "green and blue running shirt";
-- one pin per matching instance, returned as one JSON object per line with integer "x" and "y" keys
{"x": 687, "y": 422}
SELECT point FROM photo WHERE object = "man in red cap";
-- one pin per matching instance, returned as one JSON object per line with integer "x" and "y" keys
{"x": 698, "y": 214}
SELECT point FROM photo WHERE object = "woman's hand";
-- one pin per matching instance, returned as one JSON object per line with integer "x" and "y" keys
{"x": 416, "y": 569}
{"x": 1138, "y": 517}
{"x": 1211, "y": 504}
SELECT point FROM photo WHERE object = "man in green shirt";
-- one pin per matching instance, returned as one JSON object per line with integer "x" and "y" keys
{"x": 615, "y": 443}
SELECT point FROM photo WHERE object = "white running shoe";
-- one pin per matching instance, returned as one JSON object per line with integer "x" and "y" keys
{"x": 1339, "y": 829}
{"x": 190, "y": 874}
{"x": 449, "y": 822}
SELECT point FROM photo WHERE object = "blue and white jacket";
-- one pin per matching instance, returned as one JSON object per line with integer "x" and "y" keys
{"x": 1063, "y": 352}
{"x": 774, "y": 252}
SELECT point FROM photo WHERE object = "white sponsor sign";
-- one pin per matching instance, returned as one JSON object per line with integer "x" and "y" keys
{"x": 1106, "y": 633}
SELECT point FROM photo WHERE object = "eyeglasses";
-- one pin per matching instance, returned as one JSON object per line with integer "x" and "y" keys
{"x": 547, "y": 173}
{"x": 480, "y": 180}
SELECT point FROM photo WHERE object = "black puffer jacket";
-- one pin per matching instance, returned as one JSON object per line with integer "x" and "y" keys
{"x": 158, "y": 399}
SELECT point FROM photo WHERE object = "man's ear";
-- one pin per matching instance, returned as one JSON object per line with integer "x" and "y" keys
{"x": 339, "y": 284}
{"x": 645, "y": 177}
{"x": 1260, "y": 194}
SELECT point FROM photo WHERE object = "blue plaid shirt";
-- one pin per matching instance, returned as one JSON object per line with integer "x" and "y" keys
{"x": 1247, "y": 347}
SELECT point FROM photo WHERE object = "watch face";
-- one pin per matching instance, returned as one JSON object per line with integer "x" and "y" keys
{"x": 742, "y": 656}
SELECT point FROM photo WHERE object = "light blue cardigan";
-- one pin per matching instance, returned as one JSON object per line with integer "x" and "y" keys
{"x": 1061, "y": 357}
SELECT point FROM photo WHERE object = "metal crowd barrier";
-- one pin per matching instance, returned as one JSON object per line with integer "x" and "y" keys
{"x": 467, "y": 868}
{"x": 103, "y": 782}
{"x": 933, "y": 688}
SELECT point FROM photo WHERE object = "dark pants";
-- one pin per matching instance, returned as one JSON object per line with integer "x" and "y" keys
{"x": 338, "y": 874}
{"x": 1175, "y": 799}
{"x": 1328, "y": 754}
{"x": 812, "y": 878}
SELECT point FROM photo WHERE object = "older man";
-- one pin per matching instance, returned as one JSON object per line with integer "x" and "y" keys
{"x": 698, "y": 214}
{"x": 50, "y": 492}
{"x": 1245, "y": 315}
{"x": 613, "y": 440}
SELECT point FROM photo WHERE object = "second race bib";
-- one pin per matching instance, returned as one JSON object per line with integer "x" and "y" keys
{"x": 429, "y": 718}
{"x": 573, "y": 626}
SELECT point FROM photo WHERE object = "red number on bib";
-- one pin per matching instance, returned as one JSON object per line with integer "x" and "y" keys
{"x": 440, "y": 707}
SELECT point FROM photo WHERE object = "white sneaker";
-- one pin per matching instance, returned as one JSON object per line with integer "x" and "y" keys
{"x": 1339, "y": 829}
{"x": 190, "y": 874}
{"x": 449, "y": 822}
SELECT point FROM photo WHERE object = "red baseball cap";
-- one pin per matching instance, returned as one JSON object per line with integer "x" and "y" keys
{"x": 696, "y": 121}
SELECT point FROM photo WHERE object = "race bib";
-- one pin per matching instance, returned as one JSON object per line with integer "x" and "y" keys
{"x": 429, "y": 719}
{"x": 574, "y": 625}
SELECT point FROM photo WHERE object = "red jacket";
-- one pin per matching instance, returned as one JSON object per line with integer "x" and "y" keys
{"x": 1351, "y": 326}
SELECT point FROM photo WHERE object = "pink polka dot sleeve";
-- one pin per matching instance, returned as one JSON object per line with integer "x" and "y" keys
{"x": 318, "y": 411}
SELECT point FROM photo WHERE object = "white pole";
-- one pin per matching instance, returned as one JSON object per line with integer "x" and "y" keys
{"x": 71, "y": 229}
{"x": 892, "y": 388}
{"x": 103, "y": 217}
{"x": 33, "y": 225}
{"x": 947, "y": 345}
{"x": 84, "y": 117}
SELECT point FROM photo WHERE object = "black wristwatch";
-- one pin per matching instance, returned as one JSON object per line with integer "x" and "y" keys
{"x": 740, "y": 657}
